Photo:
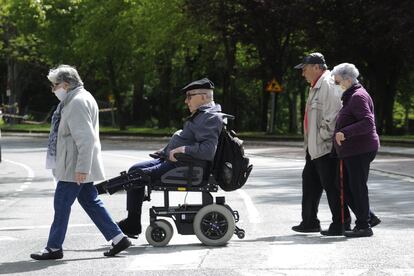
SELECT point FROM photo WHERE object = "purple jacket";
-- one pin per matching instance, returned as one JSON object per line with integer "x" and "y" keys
{"x": 356, "y": 120}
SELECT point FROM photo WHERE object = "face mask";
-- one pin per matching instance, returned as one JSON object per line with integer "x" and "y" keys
{"x": 341, "y": 87}
{"x": 61, "y": 94}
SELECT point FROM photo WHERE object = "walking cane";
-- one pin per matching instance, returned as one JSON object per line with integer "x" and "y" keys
{"x": 341, "y": 187}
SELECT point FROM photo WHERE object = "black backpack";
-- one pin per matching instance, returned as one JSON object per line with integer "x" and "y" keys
{"x": 230, "y": 168}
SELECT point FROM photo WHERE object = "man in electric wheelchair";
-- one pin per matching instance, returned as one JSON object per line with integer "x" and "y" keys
{"x": 194, "y": 146}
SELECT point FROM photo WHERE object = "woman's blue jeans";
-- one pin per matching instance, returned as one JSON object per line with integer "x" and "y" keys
{"x": 87, "y": 195}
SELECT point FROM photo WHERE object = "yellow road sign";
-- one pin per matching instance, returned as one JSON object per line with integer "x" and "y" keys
{"x": 274, "y": 86}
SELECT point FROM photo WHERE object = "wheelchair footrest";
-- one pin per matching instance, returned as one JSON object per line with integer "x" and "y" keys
{"x": 126, "y": 181}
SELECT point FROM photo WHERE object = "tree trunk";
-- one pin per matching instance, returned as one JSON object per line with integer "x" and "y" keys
{"x": 276, "y": 114}
{"x": 164, "y": 71}
{"x": 391, "y": 93}
{"x": 265, "y": 104}
{"x": 293, "y": 118}
{"x": 119, "y": 100}
{"x": 229, "y": 95}
{"x": 383, "y": 91}
{"x": 302, "y": 107}
{"x": 11, "y": 83}
{"x": 15, "y": 86}
{"x": 140, "y": 110}
{"x": 407, "y": 119}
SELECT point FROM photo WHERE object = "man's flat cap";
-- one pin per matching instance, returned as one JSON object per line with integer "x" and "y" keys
{"x": 198, "y": 84}
{"x": 314, "y": 58}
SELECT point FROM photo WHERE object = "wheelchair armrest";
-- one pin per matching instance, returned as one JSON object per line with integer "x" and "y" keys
{"x": 189, "y": 160}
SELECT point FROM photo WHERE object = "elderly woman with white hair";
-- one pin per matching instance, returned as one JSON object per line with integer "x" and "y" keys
{"x": 74, "y": 155}
{"x": 356, "y": 143}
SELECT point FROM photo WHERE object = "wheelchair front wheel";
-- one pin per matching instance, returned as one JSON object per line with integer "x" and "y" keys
{"x": 214, "y": 225}
{"x": 160, "y": 234}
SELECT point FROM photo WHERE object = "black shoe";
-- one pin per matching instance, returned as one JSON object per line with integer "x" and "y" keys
{"x": 332, "y": 232}
{"x": 374, "y": 221}
{"x": 306, "y": 229}
{"x": 358, "y": 233}
{"x": 120, "y": 246}
{"x": 335, "y": 230}
{"x": 49, "y": 255}
{"x": 127, "y": 228}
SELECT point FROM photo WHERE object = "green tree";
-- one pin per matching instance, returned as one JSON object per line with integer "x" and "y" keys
{"x": 20, "y": 48}
{"x": 375, "y": 35}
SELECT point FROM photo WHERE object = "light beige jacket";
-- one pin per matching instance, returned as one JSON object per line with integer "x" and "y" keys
{"x": 323, "y": 105}
{"x": 78, "y": 145}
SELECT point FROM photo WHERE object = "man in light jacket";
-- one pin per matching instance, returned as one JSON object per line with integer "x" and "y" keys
{"x": 74, "y": 155}
{"x": 319, "y": 173}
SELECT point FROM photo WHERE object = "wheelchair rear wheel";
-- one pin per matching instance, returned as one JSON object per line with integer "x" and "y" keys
{"x": 160, "y": 234}
{"x": 214, "y": 225}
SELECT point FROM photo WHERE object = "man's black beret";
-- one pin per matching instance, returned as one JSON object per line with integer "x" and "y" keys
{"x": 198, "y": 84}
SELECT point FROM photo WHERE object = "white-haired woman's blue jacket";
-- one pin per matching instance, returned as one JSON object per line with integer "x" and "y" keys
{"x": 78, "y": 144}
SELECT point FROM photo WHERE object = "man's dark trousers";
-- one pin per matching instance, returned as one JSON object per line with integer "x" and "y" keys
{"x": 155, "y": 169}
{"x": 320, "y": 174}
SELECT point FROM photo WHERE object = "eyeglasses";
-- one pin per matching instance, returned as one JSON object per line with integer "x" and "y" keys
{"x": 193, "y": 94}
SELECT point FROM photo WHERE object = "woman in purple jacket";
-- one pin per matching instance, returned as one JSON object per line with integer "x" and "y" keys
{"x": 356, "y": 143}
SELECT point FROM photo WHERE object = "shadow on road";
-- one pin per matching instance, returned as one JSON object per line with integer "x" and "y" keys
{"x": 32, "y": 265}
{"x": 296, "y": 239}
{"x": 27, "y": 266}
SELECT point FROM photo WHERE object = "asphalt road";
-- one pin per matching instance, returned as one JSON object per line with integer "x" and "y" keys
{"x": 269, "y": 205}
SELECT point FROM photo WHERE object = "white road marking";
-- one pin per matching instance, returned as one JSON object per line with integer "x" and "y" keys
{"x": 30, "y": 227}
{"x": 279, "y": 169}
{"x": 30, "y": 175}
{"x": 395, "y": 175}
{"x": 7, "y": 238}
{"x": 136, "y": 158}
{"x": 254, "y": 215}
{"x": 380, "y": 160}
{"x": 25, "y": 150}
{"x": 190, "y": 259}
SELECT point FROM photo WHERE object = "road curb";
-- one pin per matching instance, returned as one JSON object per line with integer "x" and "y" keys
{"x": 392, "y": 173}
{"x": 392, "y": 150}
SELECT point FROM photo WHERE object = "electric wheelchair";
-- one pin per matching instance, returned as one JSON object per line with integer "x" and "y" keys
{"x": 212, "y": 221}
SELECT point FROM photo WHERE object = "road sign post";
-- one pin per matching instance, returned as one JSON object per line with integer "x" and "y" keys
{"x": 273, "y": 87}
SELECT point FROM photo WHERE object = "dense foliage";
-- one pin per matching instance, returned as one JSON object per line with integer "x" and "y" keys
{"x": 136, "y": 54}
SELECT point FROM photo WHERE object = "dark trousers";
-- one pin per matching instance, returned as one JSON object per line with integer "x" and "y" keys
{"x": 318, "y": 175}
{"x": 155, "y": 169}
{"x": 356, "y": 171}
